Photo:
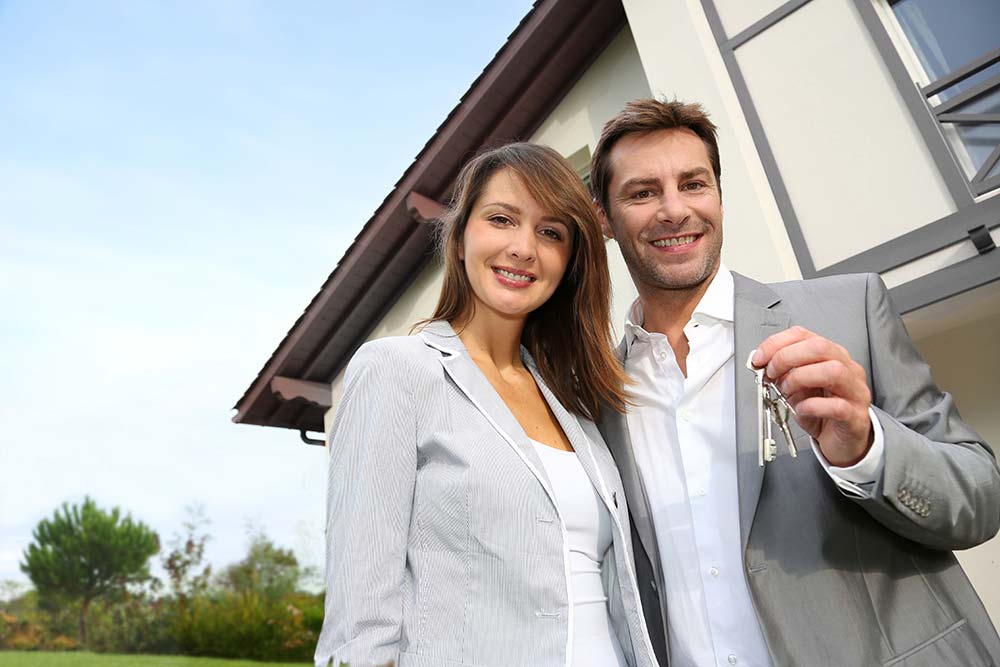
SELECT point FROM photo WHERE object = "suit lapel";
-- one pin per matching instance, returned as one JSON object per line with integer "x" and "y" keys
{"x": 614, "y": 429}
{"x": 757, "y": 315}
{"x": 570, "y": 424}
{"x": 471, "y": 381}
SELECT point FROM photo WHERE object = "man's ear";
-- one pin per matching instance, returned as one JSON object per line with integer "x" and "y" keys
{"x": 609, "y": 233}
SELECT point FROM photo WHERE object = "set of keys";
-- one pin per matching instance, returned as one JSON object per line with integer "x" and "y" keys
{"x": 772, "y": 408}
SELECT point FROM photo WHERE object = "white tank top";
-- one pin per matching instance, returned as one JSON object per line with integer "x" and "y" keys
{"x": 588, "y": 529}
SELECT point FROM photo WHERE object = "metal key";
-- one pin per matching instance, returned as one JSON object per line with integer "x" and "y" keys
{"x": 766, "y": 449}
{"x": 780, "y": 411}
{"x": 772, "y": 406}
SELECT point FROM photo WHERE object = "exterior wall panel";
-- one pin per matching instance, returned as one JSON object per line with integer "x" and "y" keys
{"x": 856, "y": 168}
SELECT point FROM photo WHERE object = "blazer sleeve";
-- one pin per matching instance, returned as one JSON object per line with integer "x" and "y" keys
{"x": 940, "y": 484}
{"x": 372, "y": 474}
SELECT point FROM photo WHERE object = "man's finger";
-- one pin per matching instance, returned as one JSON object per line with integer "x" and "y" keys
{"x": 773, "y": 343}
{"x": 833, "y": 376}
{"x": 812, "y": 350}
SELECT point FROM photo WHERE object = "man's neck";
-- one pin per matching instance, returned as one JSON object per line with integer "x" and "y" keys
{"x": 667, "y": 311}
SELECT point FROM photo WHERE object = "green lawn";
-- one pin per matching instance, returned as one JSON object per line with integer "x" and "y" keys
{"x": 81, "y": 659}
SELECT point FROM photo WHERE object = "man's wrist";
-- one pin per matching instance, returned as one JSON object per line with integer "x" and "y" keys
{"x": 860, "y": 457}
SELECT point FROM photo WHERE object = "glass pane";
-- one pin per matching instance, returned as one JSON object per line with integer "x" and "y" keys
{"x": 994, "y": 172}
{"x": 949, "y": 35}
{"x": 946, "y": 36}
{"x": 980, "y": 140}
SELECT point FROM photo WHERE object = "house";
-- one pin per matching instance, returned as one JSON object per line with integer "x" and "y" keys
{"x": 856, "y": 135}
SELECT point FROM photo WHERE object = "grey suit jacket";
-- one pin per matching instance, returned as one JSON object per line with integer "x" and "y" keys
{"x": 444, "y": 542}
{"x": 837, "y": 580}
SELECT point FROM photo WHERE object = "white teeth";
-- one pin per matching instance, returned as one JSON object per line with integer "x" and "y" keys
{"x": 514, "y": 276}
{"x": 680, "y": 240}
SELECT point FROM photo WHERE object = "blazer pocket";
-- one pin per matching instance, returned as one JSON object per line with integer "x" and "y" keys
{"x": 957, "y": 644}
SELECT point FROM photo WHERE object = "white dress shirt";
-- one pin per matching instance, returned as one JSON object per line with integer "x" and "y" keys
{"x": 683, "y": 433}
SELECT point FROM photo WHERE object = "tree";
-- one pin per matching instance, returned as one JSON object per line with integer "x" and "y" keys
{"x": 185, "y": 562}
{"x": 84, "y": 553}
{"x": 268, "y": 570}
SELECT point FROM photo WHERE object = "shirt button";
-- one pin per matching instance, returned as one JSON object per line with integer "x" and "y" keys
{"x": 662, "y": 356}
{"x": 732, "y": 659}
{"x": 702, "y": 492}
{"x": 685, "y": 415}
{"x": 714, "y": 571}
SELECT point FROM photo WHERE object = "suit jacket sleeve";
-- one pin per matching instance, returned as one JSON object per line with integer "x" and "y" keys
{"x": 371, "y": 481}
{"x": 940, "y": 484}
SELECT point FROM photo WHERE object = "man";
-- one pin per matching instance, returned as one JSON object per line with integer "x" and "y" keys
{"x": 841, "y": 556}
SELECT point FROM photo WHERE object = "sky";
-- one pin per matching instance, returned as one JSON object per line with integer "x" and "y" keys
{"x": 177, "y": 180}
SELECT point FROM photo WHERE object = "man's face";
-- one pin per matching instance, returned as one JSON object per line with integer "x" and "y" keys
{"x": 665, "y": 209}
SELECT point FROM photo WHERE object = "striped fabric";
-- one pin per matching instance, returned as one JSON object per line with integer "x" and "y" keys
{"x": 444, "y": 544}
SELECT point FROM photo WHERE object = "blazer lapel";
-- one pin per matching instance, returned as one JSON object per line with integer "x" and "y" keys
{"x": 614, "y": 428}
{"x": 471, "y": 381}
{"x": 756, "y": 316}
{"x": 570, "y": 424}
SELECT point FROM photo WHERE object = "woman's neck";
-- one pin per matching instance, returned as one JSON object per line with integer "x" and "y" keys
{"x": 491, "y": 338}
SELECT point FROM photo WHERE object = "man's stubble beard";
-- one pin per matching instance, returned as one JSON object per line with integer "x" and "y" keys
{"x": 648, "y": 272}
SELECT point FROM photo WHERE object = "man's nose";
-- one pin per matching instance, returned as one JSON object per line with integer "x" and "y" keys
{"x": 672, "y": 209}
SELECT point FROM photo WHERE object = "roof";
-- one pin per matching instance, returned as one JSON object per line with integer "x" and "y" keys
{"x": 550, "y": 49}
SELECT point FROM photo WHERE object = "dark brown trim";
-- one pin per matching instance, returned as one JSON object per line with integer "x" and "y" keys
{"x": 546, "y": 54}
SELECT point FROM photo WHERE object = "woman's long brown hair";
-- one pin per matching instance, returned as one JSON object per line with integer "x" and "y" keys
{"x": 569, "y": 335}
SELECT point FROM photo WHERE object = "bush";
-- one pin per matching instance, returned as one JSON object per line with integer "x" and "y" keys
{"x": 245, "y": 625}
{"x": 19, "y": 635}
{"x": 61, "y": 643}
{"x": 132, "y": 624}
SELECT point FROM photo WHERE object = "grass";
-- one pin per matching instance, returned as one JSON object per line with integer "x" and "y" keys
{"x": 83, "y": 659}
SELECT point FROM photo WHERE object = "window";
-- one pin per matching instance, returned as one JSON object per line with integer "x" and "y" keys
{"x": 955, "y": 48}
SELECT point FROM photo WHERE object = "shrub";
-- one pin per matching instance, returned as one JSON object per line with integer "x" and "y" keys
{"x": 61, "y": 643}
{"x": 132, "y": 624}
{"x": 244, "y": 625}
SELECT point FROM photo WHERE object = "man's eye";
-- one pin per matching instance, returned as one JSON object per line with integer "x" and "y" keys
{"x": 642, "y": 194}
{"x": 694, "y": 185}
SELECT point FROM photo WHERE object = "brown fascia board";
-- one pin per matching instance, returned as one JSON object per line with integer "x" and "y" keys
{"x": 545, "y": 55}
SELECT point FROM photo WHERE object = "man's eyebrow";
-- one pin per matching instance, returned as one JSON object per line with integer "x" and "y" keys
{"x": 516, "y": 211}
{"x": 691, "y": 173}
{"x": 639, "y": 181}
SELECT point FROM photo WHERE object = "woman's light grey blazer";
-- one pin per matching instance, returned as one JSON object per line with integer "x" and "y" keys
{"x": 444, "y": 543}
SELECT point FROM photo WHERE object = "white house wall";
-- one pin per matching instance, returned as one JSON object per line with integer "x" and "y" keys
{"x": 966, "y": 362}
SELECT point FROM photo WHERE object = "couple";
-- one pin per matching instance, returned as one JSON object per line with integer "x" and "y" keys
{"x": 507, "y": 490}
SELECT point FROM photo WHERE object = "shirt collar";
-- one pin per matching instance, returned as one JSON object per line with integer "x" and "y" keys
{"x": 716, "y": 305}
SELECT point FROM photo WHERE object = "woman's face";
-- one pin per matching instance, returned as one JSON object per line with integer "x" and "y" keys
{"x": 515, "y": 252}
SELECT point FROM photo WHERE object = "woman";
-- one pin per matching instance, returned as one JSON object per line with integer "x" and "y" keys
{"x": 475, "y": 515}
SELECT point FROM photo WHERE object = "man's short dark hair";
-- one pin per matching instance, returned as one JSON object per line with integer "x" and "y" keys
{"x": 650, "y": 115}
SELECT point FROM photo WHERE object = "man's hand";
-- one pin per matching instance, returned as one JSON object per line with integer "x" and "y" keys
{"x": 826, "y": 388}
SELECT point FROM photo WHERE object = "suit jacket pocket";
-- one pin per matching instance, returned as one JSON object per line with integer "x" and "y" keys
{"x": 957, "y": 644}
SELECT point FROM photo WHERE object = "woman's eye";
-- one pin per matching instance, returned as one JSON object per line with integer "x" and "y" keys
{"x": 552, "y": 234}
{"x": 499, "y": 219}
